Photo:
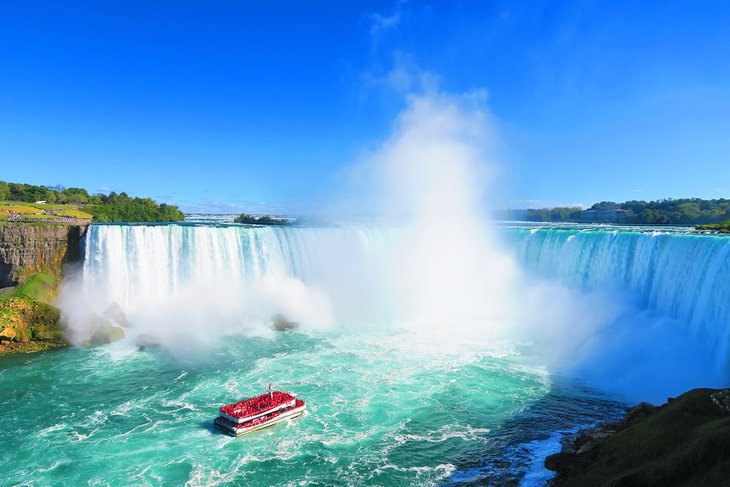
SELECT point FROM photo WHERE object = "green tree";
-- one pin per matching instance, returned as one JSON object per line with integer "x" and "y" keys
{"x": 606, "y": 205}
{"x": 77, "y": 196}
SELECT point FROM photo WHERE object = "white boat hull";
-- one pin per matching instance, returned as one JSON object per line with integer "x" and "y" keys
{"x": 238, "y": 431}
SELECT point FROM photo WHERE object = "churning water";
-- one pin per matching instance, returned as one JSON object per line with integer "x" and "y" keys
{"x": 389, "y": 403}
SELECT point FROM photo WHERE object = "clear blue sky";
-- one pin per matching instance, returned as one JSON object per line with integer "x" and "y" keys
{"x": 242, "y": 105}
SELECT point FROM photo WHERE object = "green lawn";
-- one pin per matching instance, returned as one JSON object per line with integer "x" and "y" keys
{"x": 42, "y": 212}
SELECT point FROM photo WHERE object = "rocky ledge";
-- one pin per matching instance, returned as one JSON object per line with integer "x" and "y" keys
{"x": 685, "y": 442}
{"x": 29, "y": 248}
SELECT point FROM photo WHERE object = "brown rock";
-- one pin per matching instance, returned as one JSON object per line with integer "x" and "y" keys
{"x": 281, "y": 323}
{"x": 8, "y": 334}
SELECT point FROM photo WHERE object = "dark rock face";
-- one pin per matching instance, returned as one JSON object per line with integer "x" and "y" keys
{"x": 29, "y": 248}
{"x": 685, "y": 442}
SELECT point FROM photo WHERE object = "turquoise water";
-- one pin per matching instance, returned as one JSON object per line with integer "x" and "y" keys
{"x": 383, "y": 409}
{"x": 386, "y": 405}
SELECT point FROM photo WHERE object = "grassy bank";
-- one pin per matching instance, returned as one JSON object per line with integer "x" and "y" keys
{"x": 28, "y": 322}
{"x": 49, "y": 212}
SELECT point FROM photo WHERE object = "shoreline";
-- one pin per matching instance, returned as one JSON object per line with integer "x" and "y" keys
{"x": 685, "y": 441}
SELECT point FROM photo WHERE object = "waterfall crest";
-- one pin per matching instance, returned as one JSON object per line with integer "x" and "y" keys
{"x": 683, "y": 276}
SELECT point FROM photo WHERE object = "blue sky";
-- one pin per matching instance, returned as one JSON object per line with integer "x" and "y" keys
{"x": 230, "y": 106}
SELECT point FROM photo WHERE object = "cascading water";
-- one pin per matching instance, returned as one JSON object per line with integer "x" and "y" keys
{"x": 682, "y": 277}
{"x": 685, "y": 276}
{"x": 661, "y": 289}
{"x": 388, "y": 405}
{"x": 126, "y": 264}
{"x": 212, "y": 280}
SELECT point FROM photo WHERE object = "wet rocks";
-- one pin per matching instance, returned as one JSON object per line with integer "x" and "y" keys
{"x": 103, "y": 331}
{"x": 145, "y": 341}
{"x": 721, "y": 399}
{"x": 107, "y": 334}
{"x": 281, "y": 323}
{"x": 115, "y": 313}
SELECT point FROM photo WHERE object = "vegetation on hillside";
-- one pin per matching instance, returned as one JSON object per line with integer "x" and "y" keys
{"x": 121, "y": 208}
{"x": 260, "y": 220}
{"x": 723, "y": 227}
{"x": 28, "y": 322}
{"x": 63, "y": 202}
{"x": 687, "y": 211}
{"x": 543, "y": 214}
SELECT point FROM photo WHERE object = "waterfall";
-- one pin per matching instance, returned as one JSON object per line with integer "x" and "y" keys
{"x": 186, "y": 278}
{"x": 657, "y": 300}
{"x": 126, "y": 262}
{"x": 683, "y": 276}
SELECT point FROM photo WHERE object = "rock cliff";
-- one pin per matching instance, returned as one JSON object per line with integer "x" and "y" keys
{"x": 28, "y": 248}
{"x": 32, "y": 258}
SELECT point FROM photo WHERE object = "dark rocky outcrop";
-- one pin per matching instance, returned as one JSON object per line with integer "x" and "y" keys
{"x": 685, "y": 442}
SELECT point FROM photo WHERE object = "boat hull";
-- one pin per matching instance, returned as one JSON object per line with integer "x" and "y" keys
{"x": 230, "y": 428}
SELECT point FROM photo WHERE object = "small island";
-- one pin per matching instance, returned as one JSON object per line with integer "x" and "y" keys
{"x": 715, "y": 227}
{"x": 261, "y": 220}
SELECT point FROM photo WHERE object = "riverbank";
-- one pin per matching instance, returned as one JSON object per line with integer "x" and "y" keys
{"x": 684, "y": 442}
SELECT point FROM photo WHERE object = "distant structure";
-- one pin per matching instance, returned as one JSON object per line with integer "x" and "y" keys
{"x": 615, "y": 215}
{"x": 40, "y": 202}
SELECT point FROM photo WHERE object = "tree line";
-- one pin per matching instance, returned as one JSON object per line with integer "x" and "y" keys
{"x": 542, "y": 214}
{"x": 685, "y": 211}
{"x": 114, "y": 207}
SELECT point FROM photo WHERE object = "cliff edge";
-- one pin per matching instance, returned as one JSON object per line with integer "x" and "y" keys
{"x": 32, "y": 259}
{"x": 29, "y": 248}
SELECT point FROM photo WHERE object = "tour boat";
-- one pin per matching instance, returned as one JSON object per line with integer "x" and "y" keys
{"x": 259, "y": 412}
